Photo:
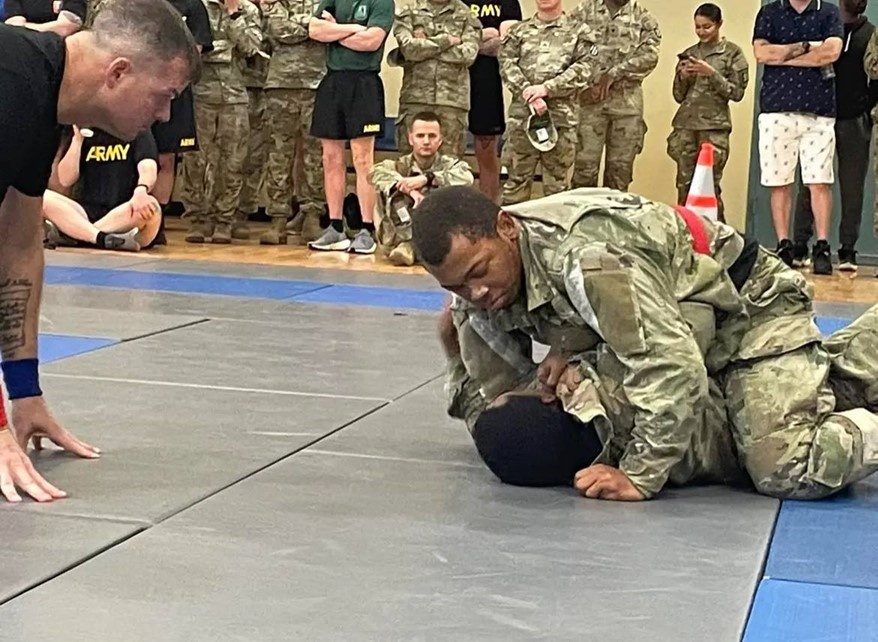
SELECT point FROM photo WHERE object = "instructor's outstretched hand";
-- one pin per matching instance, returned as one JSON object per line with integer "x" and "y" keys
{"x": 17, "y": 471}
{"x": 33, "y": 422}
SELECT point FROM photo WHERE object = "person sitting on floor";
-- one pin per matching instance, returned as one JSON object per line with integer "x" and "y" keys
{"x": 402, "y": 183}
{"x": 114, "y": 209}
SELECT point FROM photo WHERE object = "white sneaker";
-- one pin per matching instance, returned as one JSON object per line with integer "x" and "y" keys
{"x": 363, "y": 243}
{"x": 331, "y": 241}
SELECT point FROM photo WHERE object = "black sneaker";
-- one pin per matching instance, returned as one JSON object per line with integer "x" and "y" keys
{"x": 847, "y": 259}
{"x": 800, "y": 254}
{"x": 821, "y": 258}
{"x": 784, "y": 251}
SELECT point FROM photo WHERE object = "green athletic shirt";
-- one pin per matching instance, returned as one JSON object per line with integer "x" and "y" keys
{"x": 369, "y": 13}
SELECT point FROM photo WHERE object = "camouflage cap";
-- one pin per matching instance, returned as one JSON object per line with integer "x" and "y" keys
{"x": 541, "y": 131}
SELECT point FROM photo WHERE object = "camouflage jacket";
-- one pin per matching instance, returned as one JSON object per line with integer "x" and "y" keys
{"x": 435, "y": 72}
{"x": 222, "y": 81}
{"x": 617, "y": 274}
{"x": 297, "y": 62}
{"x": 627, "y": 42}
{"x": 447, "y": 170}
{"x": 255, "y": 68}
{"x": 559, "y": 54}
{"x": 704, "y": 100}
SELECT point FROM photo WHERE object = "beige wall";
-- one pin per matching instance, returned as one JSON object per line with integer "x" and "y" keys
{"x": 654, "y": 171}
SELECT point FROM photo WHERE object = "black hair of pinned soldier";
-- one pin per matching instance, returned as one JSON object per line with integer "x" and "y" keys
{"x": 147, "y": 30}
{"x": 711, "y": 12}
{"x": 447, "y": 212}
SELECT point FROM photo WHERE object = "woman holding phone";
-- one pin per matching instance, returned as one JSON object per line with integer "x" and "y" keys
{"x": 709, "y": 75}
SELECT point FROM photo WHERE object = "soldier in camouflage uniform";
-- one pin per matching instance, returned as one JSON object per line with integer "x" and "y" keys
{"x": 709, "y": 75}
{"x": 545, "y": 62}
{"x": 700, "y": 338}
{"x": 214, "y": 174}
{"x": 296, "y": 68}
{"x": 255, "y": 70}
{"x": 402, "y": 183}
{"x": 611, "y": 108}
{"x": 438, "y": 41}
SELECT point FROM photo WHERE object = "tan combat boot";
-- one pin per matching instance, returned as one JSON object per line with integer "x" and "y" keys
{"x": 222, "y": 234}
{"x": 199, "y": 231}
{"x": 403, "y": 255}
{"x": 311, "y": 229}
{"x": 240, "y": 228}
{"x": 277, "y": 233}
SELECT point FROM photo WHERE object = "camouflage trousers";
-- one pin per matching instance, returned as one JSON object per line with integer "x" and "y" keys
{"x": 454, "y": 126}
{"x": 621, "y": 137}
{"x": 523, "y": 158}
{"x": 802, "y": 413}
{"x": 684, "y": 146}
{"x": 288, "y": 116}
{"x": 254, "y": 167}
{"x": 214, "y": 175}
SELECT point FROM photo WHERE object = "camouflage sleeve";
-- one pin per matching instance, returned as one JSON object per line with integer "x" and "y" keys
{"x": 283, "y": 27}
{"x": 682, "y": 84}
{"x": 416, "y": 49}
{"x": 383, "y": 176}
{"x": 510, "y": 70}
{"x": 634, "y": 310}
{"x": 645, "y": 57}
{"x": 465, "y": 53}
{"x": 733, "y": 86}
{"x": 458, "y": 173}
{"x": 870, "y": 62}
{"x": 579, "y": 74}
{"x": 463, "y": 398}
{"x": 246, "y": 31}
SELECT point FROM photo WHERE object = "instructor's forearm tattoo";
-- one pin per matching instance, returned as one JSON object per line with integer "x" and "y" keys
{"x": 15, "y": 295}
{"x": 794, "y": 51}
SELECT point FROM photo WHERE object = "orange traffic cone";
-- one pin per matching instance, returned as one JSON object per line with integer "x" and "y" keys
{"x": 702, "y": 194}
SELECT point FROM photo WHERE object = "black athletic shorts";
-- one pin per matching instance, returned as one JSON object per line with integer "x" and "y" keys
{"x": 95, "y": 211}
{"x": 487, "y": 116}
{"x": 349, "y": 104}
{"x": 178, "y": 135}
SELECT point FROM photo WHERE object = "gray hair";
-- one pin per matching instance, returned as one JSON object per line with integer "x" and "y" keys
{"x": 151, "y": 29}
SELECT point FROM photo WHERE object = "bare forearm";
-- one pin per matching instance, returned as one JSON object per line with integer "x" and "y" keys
{"x": 325, "y": 31}
{"x": 68, "y": 167}
{"x": 21, "y": 275}
{"x": 490, "y": 47}
{"x": 818, "y": 57}
{"x": 362, "y": 41}
{"x": 767, "y": 54}
{"x": 147, "y": 173}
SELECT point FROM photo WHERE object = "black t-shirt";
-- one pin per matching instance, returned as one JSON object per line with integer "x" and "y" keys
{"x": 42, "y": 11}
{"x": 491, "y": 15}
{"x": 31, "y": 68}
{"x": 108, "y": 167}
{"x": 195, "y": 16}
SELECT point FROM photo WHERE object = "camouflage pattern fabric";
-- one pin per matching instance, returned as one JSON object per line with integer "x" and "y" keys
{"x": 257, "y": 150}
{"x": 297, "y": 62}
{"x": 523, "y": 160}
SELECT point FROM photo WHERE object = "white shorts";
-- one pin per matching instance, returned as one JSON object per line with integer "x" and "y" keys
{"x": 787, "y": 138}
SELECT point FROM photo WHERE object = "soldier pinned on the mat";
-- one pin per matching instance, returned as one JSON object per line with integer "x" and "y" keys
{"x": 611, "y": 108}
{"x": 438, "y": 41}
{"x": 545, "y": 62}
{"x": 401, "y": 185}
{"x": 690, "y": 352}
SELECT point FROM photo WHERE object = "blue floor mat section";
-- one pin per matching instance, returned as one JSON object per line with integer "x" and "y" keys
{"x": 796, "y": 612}
{"x": 828, "y": 325}
{"x": 54, "y": 347}
{"x": 180, "y": 283}
{"x": 375, "y": 297}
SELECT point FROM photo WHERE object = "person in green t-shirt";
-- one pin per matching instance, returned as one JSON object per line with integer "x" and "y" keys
{"x": 350, "y": 107}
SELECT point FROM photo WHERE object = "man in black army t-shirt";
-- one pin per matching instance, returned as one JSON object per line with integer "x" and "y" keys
{"x": 120, "y": 76}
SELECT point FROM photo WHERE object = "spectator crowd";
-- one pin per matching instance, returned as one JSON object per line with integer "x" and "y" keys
{"x": 286, "y": 88}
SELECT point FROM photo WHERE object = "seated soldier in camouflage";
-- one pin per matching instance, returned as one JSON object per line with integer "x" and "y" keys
{"x": 696, "y": 350}
{"x": 401, "y": 185}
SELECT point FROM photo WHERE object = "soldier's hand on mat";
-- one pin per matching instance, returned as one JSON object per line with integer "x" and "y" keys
{"x": 605, "y": 482}
{"x": 447, "y": 332}
{"x": 700, "y": 68}
{"x": 540, "y": 106}
{"x": 33, "y": 422}
{"x": 533, "y": 92}
{"x": 489, "y": 33}
{"x": 17, "y": 471}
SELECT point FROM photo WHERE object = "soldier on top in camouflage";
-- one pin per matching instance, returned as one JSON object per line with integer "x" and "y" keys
{"x": 611, "y": 108}
{"x": 438, "y": 41}
{"x": 699, "y": 337}
{"x": 214, "y": 174}
{"x": 401, "y": 185}
{"x": 255, "y": 70}
{"x": 296, "y": 68}
{"x": 545, "y": 61}
{"x": 709, "y": 75}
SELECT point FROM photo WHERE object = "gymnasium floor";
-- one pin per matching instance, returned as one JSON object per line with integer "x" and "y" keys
{"x": 278, "y": 466}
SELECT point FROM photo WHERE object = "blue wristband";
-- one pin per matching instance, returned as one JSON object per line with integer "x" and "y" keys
{"x": 22, "y": 378}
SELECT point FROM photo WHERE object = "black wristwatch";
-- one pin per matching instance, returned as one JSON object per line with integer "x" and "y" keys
{"x": 807, "y": 46}
{"x": 431, "y": 179}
